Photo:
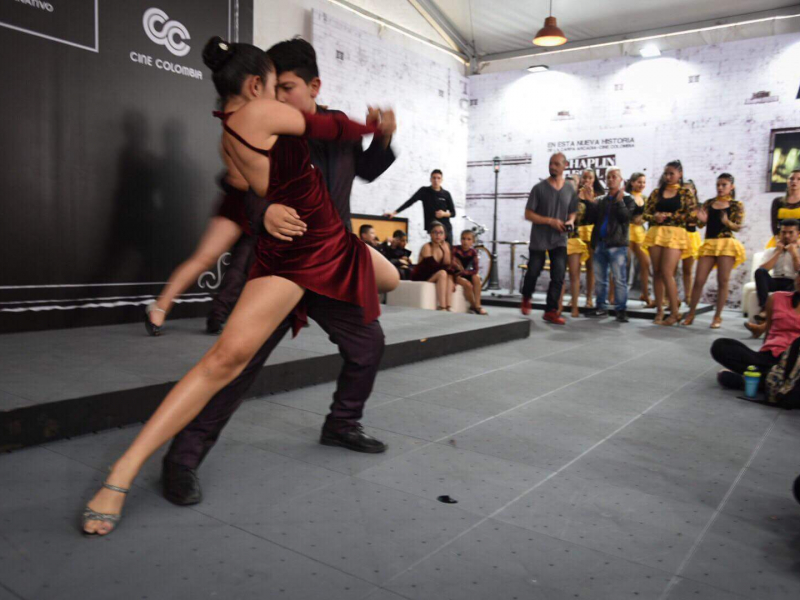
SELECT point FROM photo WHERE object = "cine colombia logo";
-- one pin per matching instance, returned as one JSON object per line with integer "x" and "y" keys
{"x": 171, "y": 34}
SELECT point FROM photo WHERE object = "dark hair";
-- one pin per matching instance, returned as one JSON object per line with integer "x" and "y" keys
{"x": 597, "y": 186}
{"x": 674, "y": 164}
{"x": 728, "y": 177}
{"x": 434, "y": 225}
{"x": 399, "y": 233}
{"x": 232, "y": 63}
{"x": 364, "y": 228}
{"x": 470, "y": 232}
{"x": 295, "y": 55}
{"x": 634, "y": 177}
{"x": 435, "y": 171}
{"x": 790, "y": 223}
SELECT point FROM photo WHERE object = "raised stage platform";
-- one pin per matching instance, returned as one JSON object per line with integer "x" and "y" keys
{"x": 636, "y": 309}
{"x": 64, "y": 383}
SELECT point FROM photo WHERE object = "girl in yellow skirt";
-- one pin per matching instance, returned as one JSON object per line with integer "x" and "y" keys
{"x": 689, "y": 255}
{"x": 590, "y": 188}
{"x": 577, "y": 254}
{"x": 785, "y": 207}
{"x": 670, "y": 208}
{"x": 635, "y": 188}
{"x": 721, "y": 217}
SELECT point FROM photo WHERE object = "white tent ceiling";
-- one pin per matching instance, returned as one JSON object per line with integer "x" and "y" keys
{"x": 498, "y": 33}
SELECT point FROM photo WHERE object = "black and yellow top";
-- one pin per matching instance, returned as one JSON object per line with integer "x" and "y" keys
{"x": 715, "y": 229}
{"x": 682, "y": 208}
{"x": 781, "y": 210}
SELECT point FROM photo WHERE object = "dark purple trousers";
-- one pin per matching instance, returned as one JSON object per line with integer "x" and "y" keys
{"x": 361, "y": 346}
{"x": 235, "y": 278}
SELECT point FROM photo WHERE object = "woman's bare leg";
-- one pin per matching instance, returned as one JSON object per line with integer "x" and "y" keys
{"x": 724, "y": 268}
{"x": 264, "y": 304}
{"x": 440, "y": 280}
{"x": 590, "y": 280}
{"x": 669, "y": 262}
{"x": 658, "y": 280}
{"x": 218, "y": 237}
{"x": 704, "y": 266}
{"x": 450, "y": 290}
{"x": 386, "y": 276}
{"x": 644, "y": 269}
{"x": 686, "y": 268}
{"x": 574, "y": 265}
{"x": 468, "y": 290}
{"x": 476, "y": 290}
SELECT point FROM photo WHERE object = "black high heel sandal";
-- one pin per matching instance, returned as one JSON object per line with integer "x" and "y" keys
{"x": 152, "y": 329}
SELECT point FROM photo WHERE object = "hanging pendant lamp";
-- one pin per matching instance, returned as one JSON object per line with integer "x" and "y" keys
{"x": 550, "y": 34}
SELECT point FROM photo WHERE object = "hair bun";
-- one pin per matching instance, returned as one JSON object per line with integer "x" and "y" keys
{"x": 217, "y": 52}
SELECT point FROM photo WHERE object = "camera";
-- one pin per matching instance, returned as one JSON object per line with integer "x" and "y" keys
{"x": 569, "y": 227}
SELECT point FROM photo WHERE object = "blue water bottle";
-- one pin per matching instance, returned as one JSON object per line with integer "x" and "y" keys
{"x": 751, "y": 379}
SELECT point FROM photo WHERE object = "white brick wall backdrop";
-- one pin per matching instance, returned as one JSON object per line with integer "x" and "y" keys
{"x": 431, "y": 101}
{"x": 708, "y": 124}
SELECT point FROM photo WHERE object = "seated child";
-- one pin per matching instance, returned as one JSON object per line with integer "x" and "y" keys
{"x": 467, "y": 259}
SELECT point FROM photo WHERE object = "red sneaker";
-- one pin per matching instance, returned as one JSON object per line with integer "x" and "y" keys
{"x": 525, "y": 307}
{"x": 552, "y": 316}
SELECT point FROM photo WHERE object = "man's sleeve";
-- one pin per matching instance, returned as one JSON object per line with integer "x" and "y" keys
{"x": 373, "y": 162}
{"x": 533, "y": 200}
{"x": 573, "y": 202}
{"x": 450, "y": 206}
{"x": 417, "y": 196}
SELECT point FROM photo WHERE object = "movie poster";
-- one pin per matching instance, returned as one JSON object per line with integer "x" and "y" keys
{"x": 784, "y": 157}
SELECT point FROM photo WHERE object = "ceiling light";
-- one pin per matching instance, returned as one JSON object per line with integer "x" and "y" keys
{"x": 538, "y": 68}
{"x": 550, "y": 34}
{"x": 650, "y": 51}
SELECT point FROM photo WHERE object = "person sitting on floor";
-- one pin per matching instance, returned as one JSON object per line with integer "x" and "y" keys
{"x": 784, "y": 262}
{"x": 468, "y": 278}
{"x": 367, "y": 234}
{"x": 782, "y": 328}
{"x": 394, "y": 249}
{"x": 435, "y": 265}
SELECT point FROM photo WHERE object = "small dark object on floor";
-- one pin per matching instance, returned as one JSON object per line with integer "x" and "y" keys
{"x": 452, "y": 443}
{"x": 447, "y": 500}
{"x": 730, "y": 380}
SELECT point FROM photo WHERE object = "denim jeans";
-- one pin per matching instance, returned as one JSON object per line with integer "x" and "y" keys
{"x": 558, "y": 268}
{"x": 617, "y": 259}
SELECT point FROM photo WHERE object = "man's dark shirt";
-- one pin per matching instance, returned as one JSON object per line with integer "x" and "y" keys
{"x": 341, "y": 162}
{"x": 431, "y": 202}
{"x": 394, "y": 254}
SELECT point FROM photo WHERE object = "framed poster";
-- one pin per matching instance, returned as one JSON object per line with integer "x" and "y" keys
{"x": 784, "y": 157}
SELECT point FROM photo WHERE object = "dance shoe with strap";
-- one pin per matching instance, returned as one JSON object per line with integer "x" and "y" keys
{"x": 92, "y": 515}
{"x": 152, "y": 328}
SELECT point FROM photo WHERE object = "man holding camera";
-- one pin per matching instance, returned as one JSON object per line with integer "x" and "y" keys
{"x": 551, "y": 209}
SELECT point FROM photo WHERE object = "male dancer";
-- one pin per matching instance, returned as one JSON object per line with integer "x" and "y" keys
{"x": 361, "y": 345}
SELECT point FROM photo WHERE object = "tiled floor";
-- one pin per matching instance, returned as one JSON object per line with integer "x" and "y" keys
{"x": 594, "y": 461}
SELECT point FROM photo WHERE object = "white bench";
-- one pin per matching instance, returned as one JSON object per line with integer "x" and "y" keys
{"x": 750, "y": 306}
{"x": 422, "y": 294}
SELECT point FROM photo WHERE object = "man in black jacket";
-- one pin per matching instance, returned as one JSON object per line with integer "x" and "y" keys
{"x": 437, "y": 205}
{"x": 611, "y": 216}
{"x": 360, "y": 344}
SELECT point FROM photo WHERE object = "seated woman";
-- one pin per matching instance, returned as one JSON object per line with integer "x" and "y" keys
{"x": 721, "y": 216}
{"x": 783, "y": 327}
{"x": 436, "y": 265}
{"x": 465, "y": 258}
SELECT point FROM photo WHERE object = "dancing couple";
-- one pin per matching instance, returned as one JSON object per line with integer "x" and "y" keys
{"x": 325, "y": 273}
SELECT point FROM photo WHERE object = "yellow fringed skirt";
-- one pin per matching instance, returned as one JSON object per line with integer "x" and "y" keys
{"x": 666, "y": 237}
{"x": 637, "y": 234}
{"x": 585, "y": 233}
{"x": 578, "y": 246}
{"x": 724, "y": 247}
{"x": 695, "y": 241}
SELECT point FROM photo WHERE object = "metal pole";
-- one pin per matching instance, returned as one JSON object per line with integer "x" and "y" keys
{"x": 494, "y": 281}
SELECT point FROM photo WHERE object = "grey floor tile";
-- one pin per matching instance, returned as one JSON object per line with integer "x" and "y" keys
{"x": 479, "y": 483}
{"x": 361, "y": 528}
{"x": 757, "y": 558}
{"x": 318, "y": 398}
{"x": 651, "y": 530}
{"x": 9, "y": 594}
{"x": 686, "y": 589}
{"x": 503, "y": 562}
{"x": 381, "y": 594}
{"x": 12, "y": 402}
{"x": 420, "y": 419}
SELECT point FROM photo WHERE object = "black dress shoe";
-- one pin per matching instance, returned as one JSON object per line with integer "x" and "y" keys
{"x": 352, "y": 439}
{"x": 797, "y": 489}
{"x": 213, "y": 326}
{"x": 622, "y": 316}
{"x": 181, "y": 485}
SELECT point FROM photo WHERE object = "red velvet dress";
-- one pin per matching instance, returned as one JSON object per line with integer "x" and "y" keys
{"x": 326, "y": 259}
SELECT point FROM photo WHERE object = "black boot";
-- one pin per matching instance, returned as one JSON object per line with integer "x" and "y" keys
{"x": 181, "y": 485}
{"x": 353, "y": 439}
{"x": 622, "y": 316}
{"x": 213, "y": 326}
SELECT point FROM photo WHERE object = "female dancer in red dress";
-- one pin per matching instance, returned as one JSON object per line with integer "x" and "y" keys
{"x": 259, "y": 147}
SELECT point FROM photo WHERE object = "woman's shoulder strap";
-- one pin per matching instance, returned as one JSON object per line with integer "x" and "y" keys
{"x": 223, "y": 116}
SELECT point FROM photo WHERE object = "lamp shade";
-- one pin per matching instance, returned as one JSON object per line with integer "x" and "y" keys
{"x": 550, "y": 34}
